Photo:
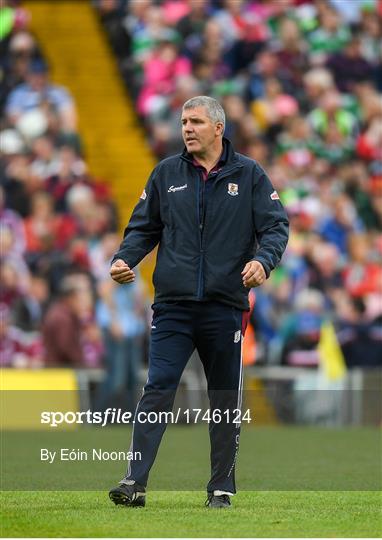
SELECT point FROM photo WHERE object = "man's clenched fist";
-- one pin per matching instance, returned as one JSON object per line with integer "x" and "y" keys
{"x": 121, "y": 272}
{"x": 253, "y": 274}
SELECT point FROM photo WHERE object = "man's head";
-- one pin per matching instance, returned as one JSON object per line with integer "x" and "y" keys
{"x": 37, "y": 75}
{"x": 203, "y": 122}
{"x": 75, "y": 292}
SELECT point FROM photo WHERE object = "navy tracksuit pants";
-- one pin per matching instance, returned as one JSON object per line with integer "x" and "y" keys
{"x": 215, "y": 330}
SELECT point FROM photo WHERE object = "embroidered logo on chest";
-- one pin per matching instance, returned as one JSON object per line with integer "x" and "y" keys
{"x": 173, "y": 189}
{"x": 233, "y": 189}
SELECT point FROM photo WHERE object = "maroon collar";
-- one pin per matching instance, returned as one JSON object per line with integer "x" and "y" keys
{"x": 216, "y": 168}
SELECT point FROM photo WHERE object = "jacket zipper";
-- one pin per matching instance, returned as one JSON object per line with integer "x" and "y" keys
{"x": 201, "y": 220}
{"x": 200, "y": 202}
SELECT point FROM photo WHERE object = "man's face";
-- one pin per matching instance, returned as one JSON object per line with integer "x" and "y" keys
{"x": 198, "y": 130}
{"x": 37, "y": 81}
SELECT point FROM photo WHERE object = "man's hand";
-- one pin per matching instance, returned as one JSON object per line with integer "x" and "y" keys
{"x": 253, "y": 274}
{"x": 121, "y": 272}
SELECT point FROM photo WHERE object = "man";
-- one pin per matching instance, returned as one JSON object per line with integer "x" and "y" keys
{"x": 61, "y": 329}
{"x": 38, "y": 92}
{"x": 221, "y": 229}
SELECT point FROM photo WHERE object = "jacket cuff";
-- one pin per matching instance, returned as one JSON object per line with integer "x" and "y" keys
{"x": 116, "y": 257}
{"x": 264, "y": 264}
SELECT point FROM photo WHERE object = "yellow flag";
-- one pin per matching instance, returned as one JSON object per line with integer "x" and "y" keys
{"x": 332, "y": 360}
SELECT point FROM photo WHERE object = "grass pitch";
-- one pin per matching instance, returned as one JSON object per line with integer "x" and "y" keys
{"x": 177, "y": 514}
{"x": 308, "y": 482}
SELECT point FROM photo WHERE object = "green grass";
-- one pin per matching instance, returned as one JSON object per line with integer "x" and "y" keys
{"x": 177, "y": 514}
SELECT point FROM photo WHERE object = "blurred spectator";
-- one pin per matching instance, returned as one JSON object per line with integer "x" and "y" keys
{"x": 332, "y": 115}
{"x": 66, "y": 326}
{"x": 71, "y": 171}
{"x": 274, "y": 107}
{"x": 271, "y": 310}
{"x": 244, "y": 32}
{"x": 120, "y": 315}
{"x": 161, "y": 69}
{"x": 349, "y": 66}
{"x": 371, "y": 33}
{"x": 190, "y": 27}
{"x": 102, "y": 254}
{"x": 44, "y": 222}
{"x": 324, "y": 268}
{"x": 369, "y": 144}
{"x": 12, "y": 235}
{"x": 359, "y": 337}
{"x": 112, "y": 13}
{"x": 361, "y": 275}
{"x": 147, "y": 28}
{"x": 343, "y": 221}
{"x": 267, "y": 65}
{"x": 22, "y": 47}
{"x": 351, "y": 11}
{"x": 317, "y": 82}
{"x": 46, "y": 161}
{"x": 292, "y": 56}
{"x": 354, "y": 178}
{"x": 14, "y": 276}
{"x": 332, "y": 34}
{"x": 16, "y": 179}
{"x": 211, "y": 52}
{"x": 29, "y": 309}
{"x": 17, "y": 348}
{"x": 295, "y": 144}
{"x": 37, "y": 93}
{"x": 301, "y": 330}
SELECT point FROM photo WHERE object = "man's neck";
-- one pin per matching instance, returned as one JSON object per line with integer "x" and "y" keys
{"x": 211, "y": 158}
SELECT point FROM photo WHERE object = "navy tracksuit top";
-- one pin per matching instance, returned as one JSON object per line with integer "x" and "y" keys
{"x": 206, "y": 230}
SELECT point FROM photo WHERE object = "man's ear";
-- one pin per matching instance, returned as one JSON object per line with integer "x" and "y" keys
{"x": 220, "y": 127}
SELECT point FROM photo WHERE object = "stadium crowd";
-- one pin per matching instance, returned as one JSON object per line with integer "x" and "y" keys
{"x": 58, "y": 226}
{"x": 301, "y": 84}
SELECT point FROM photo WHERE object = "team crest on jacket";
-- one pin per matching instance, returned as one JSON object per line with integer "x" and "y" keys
{"x": 144, "y": 195}
{"x": 275, "y": 196}
{"x": 233, "y": 189}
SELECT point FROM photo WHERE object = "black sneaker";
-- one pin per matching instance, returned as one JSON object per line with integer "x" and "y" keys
{"x": 128, "y": 494}
{"x": 218, "y": 501}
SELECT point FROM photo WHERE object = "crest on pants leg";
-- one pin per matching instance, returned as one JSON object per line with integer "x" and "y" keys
{"x": 237, "y": 336}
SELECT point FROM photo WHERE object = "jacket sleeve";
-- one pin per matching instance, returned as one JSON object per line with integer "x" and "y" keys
{"x": 271, "y": 222}
{"x": 144, "y": 229}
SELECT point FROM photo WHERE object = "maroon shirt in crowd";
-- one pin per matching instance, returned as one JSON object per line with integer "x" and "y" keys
{"x": 61, "y": 335}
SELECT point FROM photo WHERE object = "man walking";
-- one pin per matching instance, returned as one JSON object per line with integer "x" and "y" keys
{"x": 221, "y": 230}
